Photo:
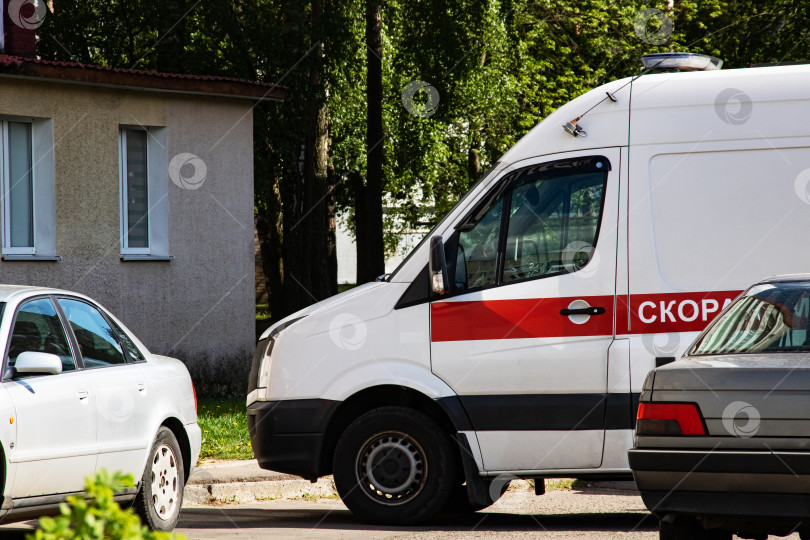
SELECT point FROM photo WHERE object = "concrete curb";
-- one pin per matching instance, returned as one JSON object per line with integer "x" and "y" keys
{"x": 244, "y": 492}
{"x": 220, "y": 481}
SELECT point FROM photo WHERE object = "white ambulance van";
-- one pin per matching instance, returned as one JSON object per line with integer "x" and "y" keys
{"x": 514, "y": 340}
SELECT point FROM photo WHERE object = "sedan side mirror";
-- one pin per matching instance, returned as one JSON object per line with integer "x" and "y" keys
{"x": 38, "y": 363}
{"x": 437, "y": 267}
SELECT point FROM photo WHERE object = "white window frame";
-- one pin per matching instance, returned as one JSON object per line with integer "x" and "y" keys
{"x": 122, "y": 153}
{"x": 157, "y": 180}
{"x": 4, "y": 142}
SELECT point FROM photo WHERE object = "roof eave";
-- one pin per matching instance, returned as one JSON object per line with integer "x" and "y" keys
{"x": 146, "y": 82}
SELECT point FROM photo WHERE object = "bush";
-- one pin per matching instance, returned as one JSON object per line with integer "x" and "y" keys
{"x": 98, "y": 516}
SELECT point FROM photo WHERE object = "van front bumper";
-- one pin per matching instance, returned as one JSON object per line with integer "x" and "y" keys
{"x": 287, "y": 436}
{"x": 737, "y": 485}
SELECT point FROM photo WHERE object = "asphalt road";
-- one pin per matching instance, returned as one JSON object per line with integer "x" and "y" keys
{"x": 591, "y": 513}
{"x": 557, "y": 514}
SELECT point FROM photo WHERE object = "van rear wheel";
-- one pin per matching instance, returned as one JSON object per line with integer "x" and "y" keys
{"x": 394, "y": 465}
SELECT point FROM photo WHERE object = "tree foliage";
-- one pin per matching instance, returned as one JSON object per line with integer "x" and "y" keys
{"x": 96, "y": 516}
{"x": 495, "y": 67}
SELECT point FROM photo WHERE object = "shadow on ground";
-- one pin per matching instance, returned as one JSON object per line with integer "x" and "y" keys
{"x": 202, "y": 518}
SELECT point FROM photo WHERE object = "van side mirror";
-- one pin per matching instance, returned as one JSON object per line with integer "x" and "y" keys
{"x": 38, "y": 362}
{"x": 437, "y": 267}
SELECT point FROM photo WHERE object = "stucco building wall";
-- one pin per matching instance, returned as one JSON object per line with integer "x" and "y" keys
{"x": 199, "y": 306}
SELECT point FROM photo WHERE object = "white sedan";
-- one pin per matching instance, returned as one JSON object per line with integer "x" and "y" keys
{"x": 81, "y": 393}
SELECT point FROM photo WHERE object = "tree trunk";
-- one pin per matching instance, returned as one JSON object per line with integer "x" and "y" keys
{"x": 171, "y": 44}
{"x": 331, "y": 235}
{"x": 306, "y": 192}
{"x": 368, "y": 209}
{"x": 318, "y": 216}
{"x": 268, "y": 227}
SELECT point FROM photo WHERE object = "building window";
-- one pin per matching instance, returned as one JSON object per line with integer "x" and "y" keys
{"x": 18, "y": 188}
{"x": 134, "y": 191}
{"x": 144, "y": 191}
{"x": 28, "y": 200}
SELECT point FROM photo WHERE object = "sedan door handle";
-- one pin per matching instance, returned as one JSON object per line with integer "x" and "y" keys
{"x": 83, "y": 394}
{"x": 141, "y": 387}
{"x": 593, "y": 310}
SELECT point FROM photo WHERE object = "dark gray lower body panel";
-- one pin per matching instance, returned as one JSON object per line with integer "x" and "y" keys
{"x": 734, "y": 490}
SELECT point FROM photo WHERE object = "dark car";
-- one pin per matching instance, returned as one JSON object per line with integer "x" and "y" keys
{"x": 723, "y": 435}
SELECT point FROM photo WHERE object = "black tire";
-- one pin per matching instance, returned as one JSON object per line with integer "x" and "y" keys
{"x": 687, "y": 528}
{"x": 161, "y": 495}
{"x": 395, "y": 466}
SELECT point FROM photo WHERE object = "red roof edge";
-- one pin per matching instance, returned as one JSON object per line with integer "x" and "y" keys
{"x": 91, "y": 74}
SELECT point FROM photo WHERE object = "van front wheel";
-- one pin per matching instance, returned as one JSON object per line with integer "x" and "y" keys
{"x": 394, "y": 465}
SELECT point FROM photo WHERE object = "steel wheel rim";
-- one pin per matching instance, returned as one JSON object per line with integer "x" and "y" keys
{"x": 165, "y": 482}
{"x": 391, "y": 468}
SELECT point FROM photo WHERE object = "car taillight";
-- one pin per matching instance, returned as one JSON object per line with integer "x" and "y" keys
{"x": 194, "y": 391}
{"x": 666, "y": 419}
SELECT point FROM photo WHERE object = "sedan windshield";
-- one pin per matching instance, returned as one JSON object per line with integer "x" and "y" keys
{"x": 772, "y": 317}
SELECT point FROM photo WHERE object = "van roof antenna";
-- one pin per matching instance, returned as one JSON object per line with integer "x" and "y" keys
{"x": 653, "y": 63}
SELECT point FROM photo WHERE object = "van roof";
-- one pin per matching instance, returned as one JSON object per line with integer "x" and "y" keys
{"x": 746, "y": 103}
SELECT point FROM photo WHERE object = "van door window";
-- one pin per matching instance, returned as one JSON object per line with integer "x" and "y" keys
{"x": 553, "y": 225}
{"x": 476, "y": 260}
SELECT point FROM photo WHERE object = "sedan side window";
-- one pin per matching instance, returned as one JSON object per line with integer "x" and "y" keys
{"x": 133, "y": 351}
{"x": 97, "y": 340}
{"x": 37, "y": 328}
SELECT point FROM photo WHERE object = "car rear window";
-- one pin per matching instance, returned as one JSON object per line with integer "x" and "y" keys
{"x": 771, "y": 317}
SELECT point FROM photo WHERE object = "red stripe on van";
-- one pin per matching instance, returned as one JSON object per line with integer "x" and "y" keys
{"x": 515, "y": 319}
{"x": 540, "y": 317}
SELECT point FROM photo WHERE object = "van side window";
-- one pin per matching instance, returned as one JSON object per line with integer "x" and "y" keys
{"x": 553, "y": 225}
{"x": 476, "y": 260}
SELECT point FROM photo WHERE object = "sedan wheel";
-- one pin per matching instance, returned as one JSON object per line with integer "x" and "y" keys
{"x": 161, "y": 495}
{"x": 165, "y": 480}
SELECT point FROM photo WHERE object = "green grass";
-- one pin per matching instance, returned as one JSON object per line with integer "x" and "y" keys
{"x": 224, "y": 429}
{"x": 262, "y": 312}
{"x": 343, "y": 287}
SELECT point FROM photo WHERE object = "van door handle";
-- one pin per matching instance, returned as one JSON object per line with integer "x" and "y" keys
{"x": 593, "y": 310}
{"x": 83, "y": 394}
{"x": 141, "y": 387}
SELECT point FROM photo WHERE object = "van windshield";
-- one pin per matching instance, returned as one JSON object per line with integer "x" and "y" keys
{"x": 772, "y": 317}
{"x": 424, "y": 239}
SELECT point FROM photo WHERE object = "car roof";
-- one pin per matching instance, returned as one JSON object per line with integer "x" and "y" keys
{"x": 8, "y": 292}
{"x": 787, "y": 278}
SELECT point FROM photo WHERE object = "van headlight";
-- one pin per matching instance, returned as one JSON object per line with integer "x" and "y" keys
{"x": 264, "y": 365}
{"x": 263, "y": 377}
